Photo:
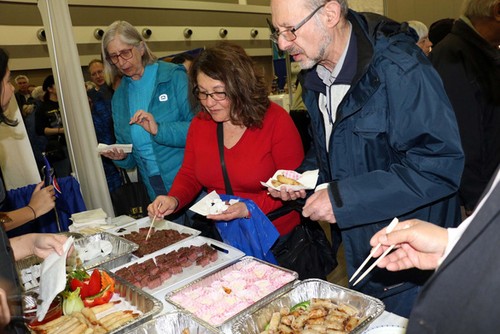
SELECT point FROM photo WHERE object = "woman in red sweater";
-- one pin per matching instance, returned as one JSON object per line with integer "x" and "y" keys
{"x": 259, "y": 138}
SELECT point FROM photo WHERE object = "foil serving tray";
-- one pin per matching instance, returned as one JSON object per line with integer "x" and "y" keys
{"x": 212, "y": 280}
{"x": 255, "y": 321}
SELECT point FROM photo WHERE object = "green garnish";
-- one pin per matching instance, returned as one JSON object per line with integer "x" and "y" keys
{"x": 302, "y": 306}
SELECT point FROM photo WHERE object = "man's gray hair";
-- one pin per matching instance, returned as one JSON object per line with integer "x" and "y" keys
{"x": 344, "y": 7}
{"x": 478, "y": 8}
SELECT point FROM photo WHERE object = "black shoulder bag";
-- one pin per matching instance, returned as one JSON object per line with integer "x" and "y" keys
{"x": 220, "y": 141}
{"x": 131, "y": 198}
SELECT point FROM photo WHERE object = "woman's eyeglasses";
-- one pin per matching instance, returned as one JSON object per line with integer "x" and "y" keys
{"x": 125, "y": 55}
{"x": 216, "y": 96}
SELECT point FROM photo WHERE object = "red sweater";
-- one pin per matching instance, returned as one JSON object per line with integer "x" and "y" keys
{"x": 256, "y": 157}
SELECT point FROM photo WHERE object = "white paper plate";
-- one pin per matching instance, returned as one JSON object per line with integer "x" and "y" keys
{"x": 389, "y": 329}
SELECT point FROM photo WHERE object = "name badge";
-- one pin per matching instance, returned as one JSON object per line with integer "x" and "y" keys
{"x": 163, "y": 97}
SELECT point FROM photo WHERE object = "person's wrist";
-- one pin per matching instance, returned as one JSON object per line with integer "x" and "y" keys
{"x": 248, "y": 215}
{"x": 32, "y": 210}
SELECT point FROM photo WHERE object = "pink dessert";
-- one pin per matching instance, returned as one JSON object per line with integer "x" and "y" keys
{"x": 217, "y": 298}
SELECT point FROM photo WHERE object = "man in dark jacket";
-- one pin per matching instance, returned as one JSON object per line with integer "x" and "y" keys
{"x": 385, "y": 138}
{"x": 468, "y": 60}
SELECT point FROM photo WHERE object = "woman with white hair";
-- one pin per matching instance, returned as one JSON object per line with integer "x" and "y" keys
{"x": 150, "y": 107}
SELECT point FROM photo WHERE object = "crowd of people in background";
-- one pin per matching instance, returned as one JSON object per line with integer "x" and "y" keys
{"x": 404, "y": 121}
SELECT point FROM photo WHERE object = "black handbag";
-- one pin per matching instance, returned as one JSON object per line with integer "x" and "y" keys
{"x": 306, "y": 251}
{"x": 131, "y": 198}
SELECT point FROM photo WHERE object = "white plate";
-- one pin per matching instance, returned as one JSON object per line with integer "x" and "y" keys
{"x": 389, "y": 329}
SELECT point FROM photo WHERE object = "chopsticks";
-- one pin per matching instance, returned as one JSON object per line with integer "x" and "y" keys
{"x": 389, "y": 229}
{"x": 152, "y": 223}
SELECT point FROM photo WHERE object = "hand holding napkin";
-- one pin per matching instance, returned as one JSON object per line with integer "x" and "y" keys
{"x": 53, "y": 278}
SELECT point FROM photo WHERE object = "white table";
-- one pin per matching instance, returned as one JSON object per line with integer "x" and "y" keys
{"x": 387, "y": 319}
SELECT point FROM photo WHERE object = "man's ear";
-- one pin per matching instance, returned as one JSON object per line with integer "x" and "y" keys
{"x": 333, "y": 13}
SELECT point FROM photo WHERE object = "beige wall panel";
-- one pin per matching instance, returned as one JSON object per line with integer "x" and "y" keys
{"x": 426, "y": 11}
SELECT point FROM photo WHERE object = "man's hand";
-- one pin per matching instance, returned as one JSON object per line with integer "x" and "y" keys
{"x": 418, "y": 245}
{"x": 319, "y": 207}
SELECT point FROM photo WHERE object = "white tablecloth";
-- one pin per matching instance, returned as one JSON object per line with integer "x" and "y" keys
{"x": 388, "y": 320}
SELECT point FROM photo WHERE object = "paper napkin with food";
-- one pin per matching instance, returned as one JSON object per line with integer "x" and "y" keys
{"x": 293, "y": 180}
{"x": 211, "y": 204}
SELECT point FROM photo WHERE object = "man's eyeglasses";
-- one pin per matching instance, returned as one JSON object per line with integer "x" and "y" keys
{"x": 125, "y": 55}
{"x": 289, "y": 34}
{"x": 217, "y": 96}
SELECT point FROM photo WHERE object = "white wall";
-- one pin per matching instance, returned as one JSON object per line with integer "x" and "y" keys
{"x": 16, "y": 157}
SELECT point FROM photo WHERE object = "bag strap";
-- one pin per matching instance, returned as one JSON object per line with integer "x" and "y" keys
{"x": 125, "y": 177}
{"x": 220, "y": 140}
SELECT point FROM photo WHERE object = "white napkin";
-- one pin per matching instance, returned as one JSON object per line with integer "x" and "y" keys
{"x": 127, "y": 148}
{"x": 308, "y": 179}
{"x": 211, "y": 204}
{"x": 53, "y": 278}
{"x": 93, "y": 250}
{"x": 97, "y": 216}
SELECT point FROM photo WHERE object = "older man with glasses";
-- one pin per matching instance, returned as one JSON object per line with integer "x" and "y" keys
{"x": 384, "y": 135}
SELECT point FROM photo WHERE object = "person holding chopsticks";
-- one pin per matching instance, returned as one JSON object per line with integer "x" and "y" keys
{"x": 462, "y": 296}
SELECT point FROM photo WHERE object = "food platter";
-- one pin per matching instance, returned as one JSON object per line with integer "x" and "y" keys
{"x": 226, "y": 256}
{"x": 255, "y": 321}
{"x": 219, "y": 298}
{"x": 174, "y": 323}
{"x": 29, "y": 268}
{"x": 142, "y": 226}
{"x": 130, "y": 299}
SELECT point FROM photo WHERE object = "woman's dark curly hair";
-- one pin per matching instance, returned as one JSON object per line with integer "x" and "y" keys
{"x": 4, "y": 60}
{"x": 244, "y": 86}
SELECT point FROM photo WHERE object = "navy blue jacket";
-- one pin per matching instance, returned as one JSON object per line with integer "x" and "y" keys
{"x": 395, "y": 148}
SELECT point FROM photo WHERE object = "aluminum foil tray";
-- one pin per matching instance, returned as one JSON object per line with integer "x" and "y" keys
{"x": 121, "y": 253}
{"x": 158, "y": 225}
{"x": 254, "y": 322}
{"x": 226, "y": 256}
{"x": 148, "y": 305}
{"x": 229, "y": 293}
{"x": 173, "y": 323}
{"x": 29, "y": 267}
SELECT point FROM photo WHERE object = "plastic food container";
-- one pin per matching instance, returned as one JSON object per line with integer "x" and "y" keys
{"x": 255, "y": 321}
